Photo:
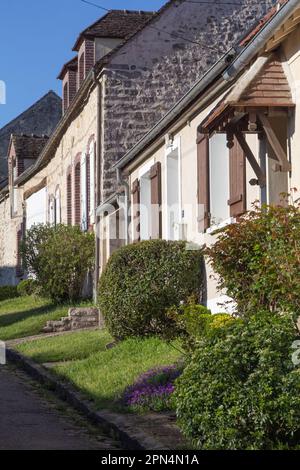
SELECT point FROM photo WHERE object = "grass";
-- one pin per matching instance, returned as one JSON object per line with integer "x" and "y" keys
{"x": 103, "y": 376}
{"x": 72, "y": 347}
{"x": 100, "y": 374}
{"x": 26, "y": 316}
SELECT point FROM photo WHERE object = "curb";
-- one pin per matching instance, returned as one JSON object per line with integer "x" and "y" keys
{"x": 115, "y": 425}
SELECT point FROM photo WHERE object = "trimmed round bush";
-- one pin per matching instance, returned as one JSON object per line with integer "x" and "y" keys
{"x": 141, "y": 281}
{"x": 241, "y": 389}
{"x": 27, "y": 287}
{"x": 8, "y": 292}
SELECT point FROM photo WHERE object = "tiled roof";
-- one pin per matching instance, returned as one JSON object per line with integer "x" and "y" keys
{"x": 269, "y": 88}
{"x": 115, "y": 24}
{"x": 262, "y": 23}
{"x": 28, "y": 146}
{"x": 71, "y": 65}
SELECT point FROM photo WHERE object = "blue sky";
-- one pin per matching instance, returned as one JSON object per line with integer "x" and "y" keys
{"x": 36, "y": 38}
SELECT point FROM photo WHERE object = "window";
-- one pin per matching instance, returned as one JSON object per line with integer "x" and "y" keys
{"x": 81, "y": 68}
{"x": 219, "y": 179}
{"x": 173, "y": 192}
{"x": 65, "y": 97}
{"x": 51, "y": 215}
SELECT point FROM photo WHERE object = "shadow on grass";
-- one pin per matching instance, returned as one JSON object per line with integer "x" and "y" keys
{"x": 11, "y": 318}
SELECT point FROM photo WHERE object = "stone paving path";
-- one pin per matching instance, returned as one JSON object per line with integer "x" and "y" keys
{"x": 29, "y": 421}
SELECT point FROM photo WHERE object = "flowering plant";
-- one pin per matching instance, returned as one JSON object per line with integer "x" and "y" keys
{"x": 152, "y": 391}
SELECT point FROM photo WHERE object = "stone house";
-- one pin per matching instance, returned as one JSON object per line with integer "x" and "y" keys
{"x": 21, "y": 141}
{"x": 41, "y": 118}
{"x": 233, "y": 139}
{"x": 129, "y": 70}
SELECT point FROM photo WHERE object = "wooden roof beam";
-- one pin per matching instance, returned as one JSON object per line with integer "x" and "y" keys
{"x": 274, "y": 143}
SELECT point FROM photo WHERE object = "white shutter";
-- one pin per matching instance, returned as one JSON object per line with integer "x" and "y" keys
{"x": 92, "y": 183}
{"x": 57, "y": 207}
{"x": 83, "y": 196}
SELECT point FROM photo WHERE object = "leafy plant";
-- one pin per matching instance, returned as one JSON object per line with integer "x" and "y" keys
{"x": 257, "y": 260}
{"x": 27, "y": 287}
{"x": 60, "y": 257}
{"x": 192, "y": 322}
{"x": 31, "y": 245}
{"x": 241, "y": 389}
{"x": 8, "y": 292}
{"x": 141, "y": 281}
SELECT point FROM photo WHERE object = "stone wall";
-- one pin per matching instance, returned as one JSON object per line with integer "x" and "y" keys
{"x": 40, "y": 118}
{"x": 154, "y": 69}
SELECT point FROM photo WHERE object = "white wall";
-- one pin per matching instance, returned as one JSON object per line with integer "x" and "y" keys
{"x": 36, "y": 209}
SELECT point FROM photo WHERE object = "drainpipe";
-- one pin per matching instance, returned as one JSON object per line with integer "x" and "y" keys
{"x": 260, "y": 40}
{"x": 98, "y": 182}
{"x": 122, "y": 182}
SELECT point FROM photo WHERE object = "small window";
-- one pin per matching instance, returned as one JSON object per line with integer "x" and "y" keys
{"x": 81, "y": 69}
{"x": 65, "y": 97}
{"x": 69, "y": 199}
{"x": 219, "y": 179}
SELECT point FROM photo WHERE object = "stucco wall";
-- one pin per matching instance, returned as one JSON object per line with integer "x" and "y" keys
{"x": 188, "y": 151}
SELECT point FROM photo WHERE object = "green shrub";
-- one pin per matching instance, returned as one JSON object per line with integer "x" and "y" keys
{"x": 27, "y": 287}
{"x": 60, "y": 257}
{"x": 30, "y": 247}
{"x": 241, "y": 390}
{"x": 257, "y": 260}
{"x": 8, "y": 292}
{"x": 141, "y": 281}
{"x": 192, "y": 322}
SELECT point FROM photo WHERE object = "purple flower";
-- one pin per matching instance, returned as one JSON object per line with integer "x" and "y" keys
{"x": 154, "y": 387}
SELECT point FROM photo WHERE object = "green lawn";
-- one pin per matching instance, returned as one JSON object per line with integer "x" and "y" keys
{"x": 72, "y": 347}
{"x": 104, "y": 374}
{"x": 26, "y": 316}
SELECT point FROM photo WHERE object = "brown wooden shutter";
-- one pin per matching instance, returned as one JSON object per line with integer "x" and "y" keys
{"x": 156, "y": 216}
{"x": 237, "y": 175}
{"x": 203, "y": 181}
{"x": 136, "y": 210}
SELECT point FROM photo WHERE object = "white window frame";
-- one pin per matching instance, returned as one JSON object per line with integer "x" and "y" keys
{"x": 83, "y": 192}
{"x": 175, "y": 145}
{"x": 92, "y": 182}
{"x": 142, "y": 172}
{"x": 229, "y": 220}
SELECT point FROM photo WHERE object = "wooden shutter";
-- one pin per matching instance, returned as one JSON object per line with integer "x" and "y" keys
{"x": 203, "y": 181}
{"x": 156, "y": 216}
{"x": 136, "y": 210}
{"x": 237, "y": 175}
